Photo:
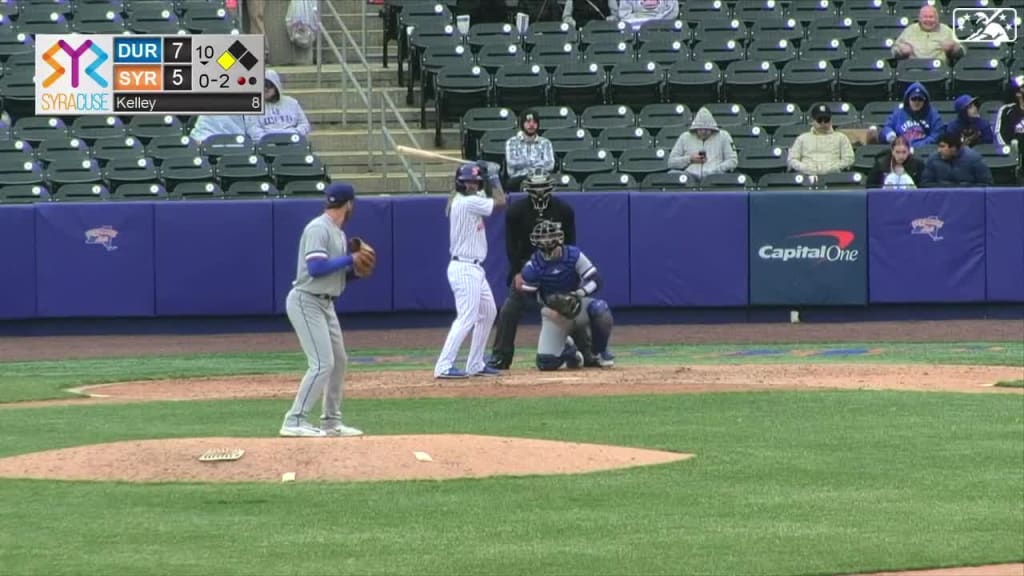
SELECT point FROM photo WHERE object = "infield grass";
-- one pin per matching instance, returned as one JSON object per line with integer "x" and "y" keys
{"x": 1011, "y": 384}
{"x": 782, "y": 483}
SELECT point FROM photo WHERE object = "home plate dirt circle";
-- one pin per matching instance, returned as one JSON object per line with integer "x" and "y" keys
{"x": 366, "y": 458}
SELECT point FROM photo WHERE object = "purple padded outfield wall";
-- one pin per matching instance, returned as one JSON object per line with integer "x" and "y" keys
{"x": 94, "y": 260}
{"x": 211, "y": 258}
{"x": 18, "y": 262}
{"x": 688, "y": 249}
{"x": 1004, "y": 244}
{"x": 602, "y": 232}
{"x": 927, "y": 245}
{"x": 371, "y": 219}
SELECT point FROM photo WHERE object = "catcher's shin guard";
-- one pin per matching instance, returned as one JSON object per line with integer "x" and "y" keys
{"x": 549, "y": 362}
{"x": 600, "y": 325}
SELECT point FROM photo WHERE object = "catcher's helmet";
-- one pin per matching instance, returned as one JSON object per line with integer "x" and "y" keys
{"x": 547, "y": 236}
{"x": 538, "y": 186}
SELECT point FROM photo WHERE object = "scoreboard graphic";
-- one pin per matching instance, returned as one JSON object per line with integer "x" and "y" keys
{"x": 85, "y": 74}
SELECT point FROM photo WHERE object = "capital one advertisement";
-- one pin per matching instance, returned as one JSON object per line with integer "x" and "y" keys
{"x": 808, "y": 248}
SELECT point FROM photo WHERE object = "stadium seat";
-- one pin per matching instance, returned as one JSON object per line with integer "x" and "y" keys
{"x": 273, "y": 145}
{"x": 609, "y": 181}
{"x": 981, "y": 77}
{"x": 154, "y": 19}
{"x": 98, "y": 19}
{"x": 62, "y": 149}
{"x": 862, "y": 81}
{"x": 14, "y": 41}
{"x": 433, "y": 60}
{"x": 727, "y": 181}
{"x": 556, "y": 117}
{"x": 162, "y": 148}
{"x": 909, "y": 8}
{"x": 584, "y": 162}
{"x": 771, "y": 115}
{"x": 605, "y": 32}
{"x": 288, "y": 169}
{"x": 565, "y": 183}
{"x": 669, "y": 135}
{"x": 636, "y": 84}
{"x": 210, "y": 19}
{"x": 843, "y": 28}
{"x": 477, "y": 121}
{"x": 664, "y": 52}
{"x": 241, "y": 168}
{"x": 721, "y": 51}
{"x": 44, "y": 19}
{"x": 492, "y": 145}
{"x": 252, "y": 189}
{"x": 18, "y": 92}
{"x": 824, "y": 48}
{"x": 654, "y": 117}
{"x": 887, "y": 26}
{"x": 82, "y": 192}
{"x": 442, "y": 35}
{"x": 495, "y": 57}
{"x": 34, "y": 129}
{"x": 639, "y": 162}
{"x": 697, "y": 10}
{"x": 521, "y": 86}
{"x": 755, "y": 161}
{"x": 876, "y": 48}
{"x": 620, "y": 139}
{"x": 485, "y": 33}
{"x": 140, "y": 191}
{"x": 716, "y": 29}
{"x": 72, "y": 171}
{"x": 23, "y": 193}
{"x": 877, "y": 112}
{"x": 184, "y": 169}
{"x": 783, "y": 180}
{"x": 128, "y": 170}
{"x": 1002, "y": 51}
{"x": 752, "y": 11}
{"x": 693, "y": 83}
{"x": 106, "y": 150}
{"x": 414, "y": 16}
{"x": 932, "y": 74}
{"x": 145, "y": 127}
{"x": 549, "y": 32}
{"x": 607, "y": 54}
{"x": 805, "y": 81}
{"x": 807, "y": 11}
{"x": 552, "y": 53}
{"x": 1002, "y": 161}
{"x": 222, "y": 144}
{"x": 565, "y": 140}
{"x": 863, "y": 10}
{"x": 864, "y": 157}
{"x": 305, "y": 188}
{"x": 771, "y": 30}
{"x": 459, "y": 89}
{"x": 92, "y": 128}
{"x": 662, "y": 32}
{"x": 197, "y": 190}
{"x": 728, "y": 114}
{"x": 778, "y": 51}
{"x": 597, "y": 118}
{"x": 578, "y": 86}
{"x": 15, "y": 170}
{"x": 749, "y": 136}
{"x": 784, "y": 136}
{"x": 749, "y": 82}
{"x": 667, "y": 181}
{"x": 841, "y": 181}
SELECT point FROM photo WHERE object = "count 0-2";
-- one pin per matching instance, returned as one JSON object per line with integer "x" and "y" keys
{"x": 205, "y": 80}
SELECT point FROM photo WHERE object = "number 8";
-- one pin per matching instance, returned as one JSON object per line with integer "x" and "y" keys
{"x": 256, "y": 102}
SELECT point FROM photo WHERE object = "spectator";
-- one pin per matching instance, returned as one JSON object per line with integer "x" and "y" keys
{"x": 955, "y": 166}
{"x": 821, "y": 150}
{"x": 254, "y": 16}
{"x": 213, "y": 125}
{"x": 896, "y": 169}
{"x": 578, "y": 12}
{"x": 973, "y": 129}
{"x": 1010, "y": 117}
{"x": 704, "y": 149}
{"x": 928, "y": 38}
{"x": 916, "y": 120}
{"x": 527, "y": 151}
{"x": 636, "y": 12}
{"x": 281, "y": 114}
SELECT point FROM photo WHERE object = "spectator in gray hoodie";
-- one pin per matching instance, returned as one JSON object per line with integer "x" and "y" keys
{"x": 281, "y": 114}
{"x": 704, "y": 149}
{"x": 215, "y": 124}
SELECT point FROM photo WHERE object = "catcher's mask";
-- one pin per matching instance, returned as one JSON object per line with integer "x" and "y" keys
{"x": 548, "y": 237}
{"x": 538, "y": 186}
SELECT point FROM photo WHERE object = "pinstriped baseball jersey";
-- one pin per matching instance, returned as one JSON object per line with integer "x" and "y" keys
{"x": 322, "y": 238}
{"x": 467, "y": 234}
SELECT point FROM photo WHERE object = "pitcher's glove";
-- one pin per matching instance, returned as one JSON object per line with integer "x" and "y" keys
{"x": 566, "y": 304}
{"x": 364, "y": 257}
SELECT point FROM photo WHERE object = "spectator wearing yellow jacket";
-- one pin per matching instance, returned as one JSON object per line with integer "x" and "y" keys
{"x": 822, "y": 150}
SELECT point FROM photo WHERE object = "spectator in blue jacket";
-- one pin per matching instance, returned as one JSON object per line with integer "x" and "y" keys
{"x": 955, "y": 166}
{"x": 916, "y": 120}
{"x": 973, "y": 129}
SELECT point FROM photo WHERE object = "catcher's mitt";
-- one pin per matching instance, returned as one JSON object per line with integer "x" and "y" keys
{"x": 568, "y": 305}
{"x": 364, "y": 257}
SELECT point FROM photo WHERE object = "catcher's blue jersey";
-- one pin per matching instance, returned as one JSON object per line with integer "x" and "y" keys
{"x": 562, "y": 275}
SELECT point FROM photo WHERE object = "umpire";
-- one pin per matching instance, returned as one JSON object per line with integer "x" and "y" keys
{"x": 520, "y": 218}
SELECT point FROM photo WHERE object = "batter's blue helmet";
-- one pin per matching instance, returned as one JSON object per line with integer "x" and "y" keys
{"x": 467, "y": 173}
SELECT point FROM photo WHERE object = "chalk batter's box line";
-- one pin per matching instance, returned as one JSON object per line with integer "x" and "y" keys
{"x": 186, "y": 103}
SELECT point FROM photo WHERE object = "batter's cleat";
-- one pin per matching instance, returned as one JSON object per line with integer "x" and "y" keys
{"x": 301, "y": 431}
{"x": 342, "y": 431}
{"x": 488, "y": 371}
{"x": 452, "y": 373}
{"x": 605, "y": 359}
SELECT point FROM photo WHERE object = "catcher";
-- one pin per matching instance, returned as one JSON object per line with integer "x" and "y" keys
{"x": 564, "y": 279}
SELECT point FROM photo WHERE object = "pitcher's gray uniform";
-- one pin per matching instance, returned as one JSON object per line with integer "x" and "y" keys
{"x": 310, "y": 306}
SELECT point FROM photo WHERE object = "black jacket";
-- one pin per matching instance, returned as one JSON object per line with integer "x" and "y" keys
{"x": 914, "y": 166}
{"x": 520, "y": 218}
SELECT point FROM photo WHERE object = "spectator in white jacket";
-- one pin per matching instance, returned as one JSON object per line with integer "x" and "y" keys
{"x": 822, "y": 150}
{"x": 214, "y": 124}
{"x": 281, "y": 114}
{"x": 637, "y": 12}
{"x": 704, "y": 149}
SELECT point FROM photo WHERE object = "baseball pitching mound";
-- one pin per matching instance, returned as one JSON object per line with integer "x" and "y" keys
{"x": 365, "y": 458}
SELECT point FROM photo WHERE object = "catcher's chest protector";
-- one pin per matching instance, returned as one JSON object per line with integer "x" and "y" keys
{"x": 560, "y": 275}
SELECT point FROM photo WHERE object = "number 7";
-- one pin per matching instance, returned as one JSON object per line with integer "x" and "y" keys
{"x": 177, "y": 48}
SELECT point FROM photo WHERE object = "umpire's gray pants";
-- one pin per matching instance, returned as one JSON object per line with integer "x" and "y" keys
{"x": 316, "y": 324}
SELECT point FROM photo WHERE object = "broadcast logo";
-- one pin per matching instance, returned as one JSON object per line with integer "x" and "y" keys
{"x": 74, "y": 75}
{"x": 986, "y": 25}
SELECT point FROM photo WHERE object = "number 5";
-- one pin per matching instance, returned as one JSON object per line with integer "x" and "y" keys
{"x": 176, "y": 77}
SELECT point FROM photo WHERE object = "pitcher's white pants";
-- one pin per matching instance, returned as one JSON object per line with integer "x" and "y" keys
{"x": 475, "y": 311}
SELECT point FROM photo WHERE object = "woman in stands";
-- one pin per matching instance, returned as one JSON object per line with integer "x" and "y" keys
{"x": 897, "y": 169}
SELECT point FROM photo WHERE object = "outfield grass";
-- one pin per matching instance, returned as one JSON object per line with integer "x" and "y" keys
{"x": 818, "y": 482}
{"x": 1011, "y": 384}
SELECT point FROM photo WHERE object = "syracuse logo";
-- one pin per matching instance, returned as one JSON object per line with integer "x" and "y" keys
{"x": 76, "y": 55}
{"x": 104, "y": 236}
{"x": 838, "y": 252}
{"x": 929, "y": 226}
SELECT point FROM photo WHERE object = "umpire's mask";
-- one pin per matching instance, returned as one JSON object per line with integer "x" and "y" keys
{"x": 538, "y": 186}
{"x": 547, "y": 236}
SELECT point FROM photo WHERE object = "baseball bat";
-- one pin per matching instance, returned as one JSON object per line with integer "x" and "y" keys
{"x": 428, "y": 155}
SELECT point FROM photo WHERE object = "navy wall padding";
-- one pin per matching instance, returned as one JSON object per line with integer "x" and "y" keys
{"x": 211, "y": 258}
{"x": 927, "y": 245}
{"x": 99, "y": 279}
{"x": 1004, "y": 245}
{"x": 602, "y": 233}
{"x": 371, "y": 219}
{"x": 789, "y": 234}
{"x": 420, "y": 234}
{"x": 17, "y": 262}
{"x": 688, "y": 249}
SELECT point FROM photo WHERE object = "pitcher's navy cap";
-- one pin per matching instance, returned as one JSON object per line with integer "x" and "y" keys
{"x": 339, "y": 193}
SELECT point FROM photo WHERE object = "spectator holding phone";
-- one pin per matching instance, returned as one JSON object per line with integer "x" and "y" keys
{"x": 704, "y": 149}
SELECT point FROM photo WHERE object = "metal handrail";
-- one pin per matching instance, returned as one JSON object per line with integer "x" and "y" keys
{"x": 342, "y": 56}
{"x": 387, "y": 140}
